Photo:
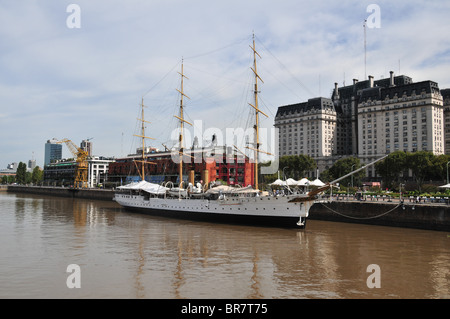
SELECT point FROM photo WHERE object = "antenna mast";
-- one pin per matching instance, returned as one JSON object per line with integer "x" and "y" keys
{"x": 365, "y": 51}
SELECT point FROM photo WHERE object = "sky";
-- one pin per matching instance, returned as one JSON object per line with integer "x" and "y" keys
{"x": 81, "y": 72}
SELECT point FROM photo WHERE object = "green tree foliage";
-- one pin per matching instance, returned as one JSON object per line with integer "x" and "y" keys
{"x": 420, "y": 164}
{"x": 8, "y": 179}
{"x": 439, "y": 167}
{"x": 391, "y": 167}
{"x": 342, "y": 167}
{"x": 21, "y": 173}
{"x": 423, "y": 165}
{"x": 37, "y": 176}
{"x": 295, "y": 166}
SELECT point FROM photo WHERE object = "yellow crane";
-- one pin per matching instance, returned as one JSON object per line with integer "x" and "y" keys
{"x": 81, "y": 170}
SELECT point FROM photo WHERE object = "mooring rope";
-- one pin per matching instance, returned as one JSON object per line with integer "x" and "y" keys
{"x": 352, "y": 217}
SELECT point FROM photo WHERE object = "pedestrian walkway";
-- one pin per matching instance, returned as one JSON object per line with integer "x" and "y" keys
{"x": 424, "y": 200}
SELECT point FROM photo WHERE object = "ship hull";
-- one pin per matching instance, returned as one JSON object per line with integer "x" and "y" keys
{"x": 265, "y": 211}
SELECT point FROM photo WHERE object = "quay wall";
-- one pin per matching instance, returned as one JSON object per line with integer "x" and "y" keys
{"x": 96, "y": 194}
{"x": 410, "y": 215}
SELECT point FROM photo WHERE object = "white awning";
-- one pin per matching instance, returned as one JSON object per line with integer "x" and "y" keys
{"x": 279, "y": 182}
{"x": 291, "y": 182}
{"x": 317, "y": 182}
{"x": 229, "y": 189}
{"x": 146, "y": 187}
{"x": 303, "y": 182}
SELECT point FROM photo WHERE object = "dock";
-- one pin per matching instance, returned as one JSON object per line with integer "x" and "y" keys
{"x": 82, "y": 193}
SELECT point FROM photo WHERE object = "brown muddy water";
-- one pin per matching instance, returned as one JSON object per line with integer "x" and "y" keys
{"x": 54, "y": 247}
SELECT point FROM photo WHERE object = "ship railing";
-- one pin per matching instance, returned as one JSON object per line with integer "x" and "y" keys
{"x": 167, "y": 186}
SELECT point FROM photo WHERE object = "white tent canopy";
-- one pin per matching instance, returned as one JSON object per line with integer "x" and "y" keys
{"x": 279, "y": 182}
{"x": 317, "y": 182}
{"x": 291, "y": 182}
{"x": 445, "y": 186}
{"x": 303, "y": 182}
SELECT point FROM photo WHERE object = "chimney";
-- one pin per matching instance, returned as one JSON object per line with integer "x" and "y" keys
{"x": 370, "y": 81}
{"x": 355, "y": 81}
{"x": 392, "y": 79}
{"x": 336, "y": 91}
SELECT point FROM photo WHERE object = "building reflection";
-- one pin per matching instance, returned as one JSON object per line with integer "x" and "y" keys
{"x": 219, "y": 261}
{"x": 155, "y": 257}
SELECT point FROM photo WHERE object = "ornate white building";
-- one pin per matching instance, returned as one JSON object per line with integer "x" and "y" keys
{"x": 367, "y": 119}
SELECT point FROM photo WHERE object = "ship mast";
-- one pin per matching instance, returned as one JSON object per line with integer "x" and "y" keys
{"x": 143, "y": 137}
{"x": 182, "y": 121}
{"x": 257, "y": 111}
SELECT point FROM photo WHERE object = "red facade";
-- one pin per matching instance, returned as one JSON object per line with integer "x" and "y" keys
{"x": 232, "y": 170}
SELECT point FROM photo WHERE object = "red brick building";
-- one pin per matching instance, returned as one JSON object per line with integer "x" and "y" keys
{"x": 198, "y": 164}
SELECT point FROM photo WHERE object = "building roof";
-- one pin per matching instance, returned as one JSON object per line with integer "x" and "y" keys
{"x": 445, "y": 93}
{"x": 318, "y": 103}
{"x": 381, "y": 93}
{"x": 346, "y": 92}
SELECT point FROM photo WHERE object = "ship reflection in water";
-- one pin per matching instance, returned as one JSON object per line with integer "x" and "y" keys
{"x": 124, "y": 255}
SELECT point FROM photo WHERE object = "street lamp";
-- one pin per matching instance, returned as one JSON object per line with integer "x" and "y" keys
{"x": 351, "y": 170}
{"x": 447, "y": 171}
{"x": 284, "y": 172}
{"x": 401, "y": 197}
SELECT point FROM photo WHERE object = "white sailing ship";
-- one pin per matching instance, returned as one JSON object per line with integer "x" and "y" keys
{"x": 221, "y": 203}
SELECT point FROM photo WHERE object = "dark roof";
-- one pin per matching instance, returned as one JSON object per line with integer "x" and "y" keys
{"x": 319, "y": 103}
{"x": 370, "y": 93}
{"x": 427, "y": 86}
{"x": 445, "y": 93}
{"x": 346, "y": 92}
{"x": 380, "y": 93}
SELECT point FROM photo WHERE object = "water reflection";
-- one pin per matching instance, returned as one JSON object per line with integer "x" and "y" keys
{"x": 128, "y": 255}
{"x": 140, "y": 289}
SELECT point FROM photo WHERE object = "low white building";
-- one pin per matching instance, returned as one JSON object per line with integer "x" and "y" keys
{"x": 63, "y": 172}
{"x": 98, "y": 170}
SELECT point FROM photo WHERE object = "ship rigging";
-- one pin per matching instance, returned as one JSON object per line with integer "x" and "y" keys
{"x": 221, "y": 203}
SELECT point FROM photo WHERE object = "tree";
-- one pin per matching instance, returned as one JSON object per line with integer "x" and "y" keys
{"x": 295, "y": 166}
{"x": 345, "y": 166}
{"x": 8, "y": 179}
{"x": 421, "y": 165}
{"x": 326, "y": 176}
{"x": 37, "y": 176}
{"x": 439, "y": 167}
{"x": 21, "y": 173}
{"x": 390, "y": 168}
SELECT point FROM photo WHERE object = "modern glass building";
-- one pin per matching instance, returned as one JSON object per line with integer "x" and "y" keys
{"x": 53, "y": 151}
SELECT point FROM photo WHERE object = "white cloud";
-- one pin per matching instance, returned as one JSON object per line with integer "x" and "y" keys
{"x": 88, "y": 82}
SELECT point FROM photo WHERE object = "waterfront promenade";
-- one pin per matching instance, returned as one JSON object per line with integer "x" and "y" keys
{"x": 407, "y": 200}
